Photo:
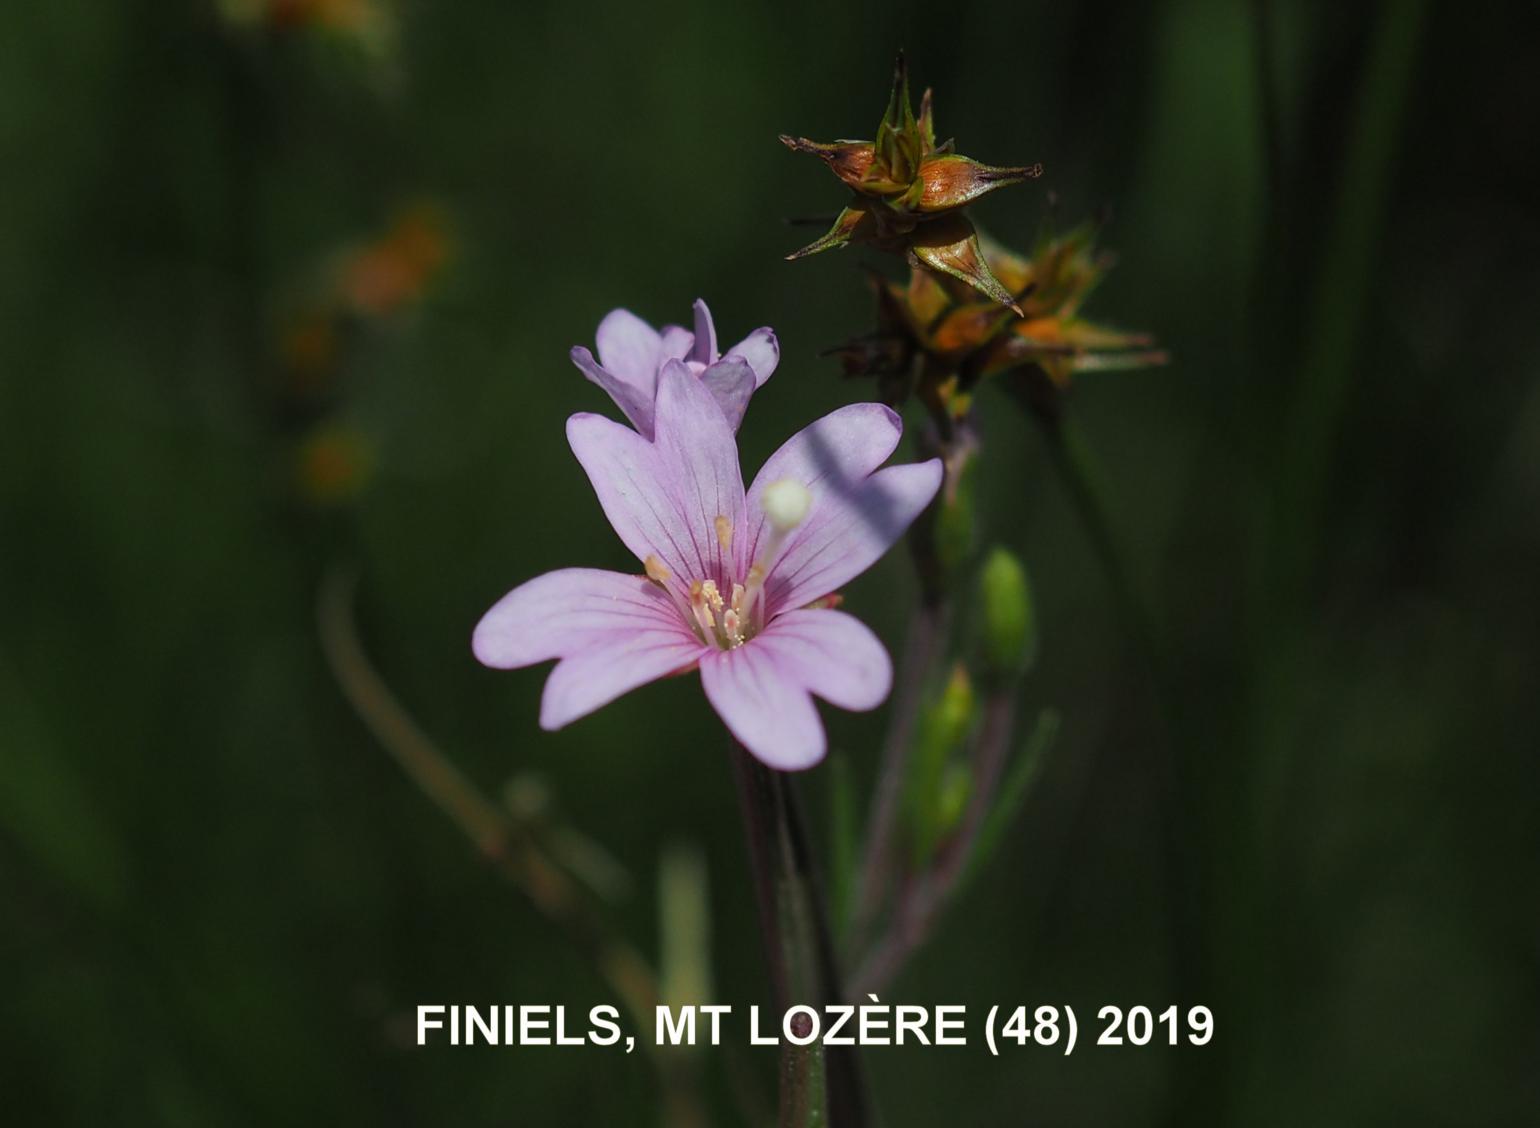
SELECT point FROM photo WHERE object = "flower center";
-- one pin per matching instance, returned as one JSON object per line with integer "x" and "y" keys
{"x": 731, "y": 620}
{"x": 727, "y": 622}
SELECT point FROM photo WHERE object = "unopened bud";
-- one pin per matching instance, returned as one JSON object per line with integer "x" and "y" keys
{"x": 939, "y": 781}
{"x": 952, "y": 715}
{"x": 1010, "y": 628}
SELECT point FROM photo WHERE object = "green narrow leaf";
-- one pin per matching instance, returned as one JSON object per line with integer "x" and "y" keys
{"x": 1013, "y": 793}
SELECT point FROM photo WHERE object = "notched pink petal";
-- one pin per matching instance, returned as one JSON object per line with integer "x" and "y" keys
{"x": 635, "y": 400}
{"x": 563, "y": 612}
{"x": 677, "y": 342}
{"x": 763, "y": 690}
{"x": 761, "y": 351}
{"x": 831, "y": 654}
{"x": 832, "y": 455}
{"x": 639, "y": 492}
{"x": 731, "y": 383}
{"x": 697, "y": 461}
{"x": 586, "y": 682}
{"x": 629, "y": 348}
{"x": 847, "y": 531}
{"x": 611, "y": 633}
{"x": 765, "y": 709}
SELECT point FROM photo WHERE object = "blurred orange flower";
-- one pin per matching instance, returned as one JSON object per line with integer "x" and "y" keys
{"x": 333, "y": 464}
{"x": 383, "y": 276}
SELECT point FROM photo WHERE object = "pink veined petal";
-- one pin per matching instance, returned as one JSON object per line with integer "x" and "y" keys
{"x": 677, "y": 342}
{"x": 834, "y": 655}
{"x": 731, "y": 383}
{"x": 611, "y": 633}
{"x": 762, "y": 352}
{"x": 635, "y": 400}
{"x": 849, "y": 532}
{"x": 637, "y": 497}
{"x": 831, "y": 453}
{"x": 705, "y": 347}
{"x": 761, "y": 689}
{"x": 663, "y": 497}
{"x": 698, "y": 457}
{"x": 856, "y": 514}
{"x": 763, "y": 706}
{"x": 629, "y": 348}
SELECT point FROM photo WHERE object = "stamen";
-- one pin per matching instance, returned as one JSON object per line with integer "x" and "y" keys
{"x": 656, "y": 572}
{"x": 703, "y": 615}
{"x": 724, "y": 532}
{"x": 751, "y": 593}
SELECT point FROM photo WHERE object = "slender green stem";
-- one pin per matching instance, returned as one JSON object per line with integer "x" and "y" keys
{"x": 922, "y": 900}
{"x": 500, "y": 838}
{"x": 817, "y": 1087}
{"x": 925, "y": 648}
{"x": 922, "y": 651}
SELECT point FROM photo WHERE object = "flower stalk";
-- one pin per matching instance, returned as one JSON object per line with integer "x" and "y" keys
{"x": 817, "y": 1086}
{"x": 494, "y": 831}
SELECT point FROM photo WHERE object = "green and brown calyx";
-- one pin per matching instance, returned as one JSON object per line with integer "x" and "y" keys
{"x": 936, "y": 338}
{"x": 909, "y": 192}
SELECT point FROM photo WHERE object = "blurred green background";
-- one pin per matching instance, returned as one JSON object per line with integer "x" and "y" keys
{"x": 221, "y": 900}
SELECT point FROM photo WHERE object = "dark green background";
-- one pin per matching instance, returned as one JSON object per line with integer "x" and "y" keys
{"x": 219, "y": 900}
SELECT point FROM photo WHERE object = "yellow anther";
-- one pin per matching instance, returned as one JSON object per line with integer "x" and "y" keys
{"x": 724, "y": 532}
{"x": 656, "y": 572}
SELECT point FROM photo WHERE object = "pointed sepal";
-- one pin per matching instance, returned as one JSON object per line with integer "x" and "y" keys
{"x": 927, "y": 122}
{"x": 850, "y": 224}
{"x": 950, "y": 180}
{"x": 898, "y": 136}
{"x": 851, "y": 161}
{"x": 950, "y": 246}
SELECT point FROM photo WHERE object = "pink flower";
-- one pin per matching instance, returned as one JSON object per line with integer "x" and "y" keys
{"x": 731, "y": 576}
{"x": 632, "y": 355}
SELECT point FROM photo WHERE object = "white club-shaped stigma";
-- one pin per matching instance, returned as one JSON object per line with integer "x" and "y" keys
{"x": 786, "y": 503}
